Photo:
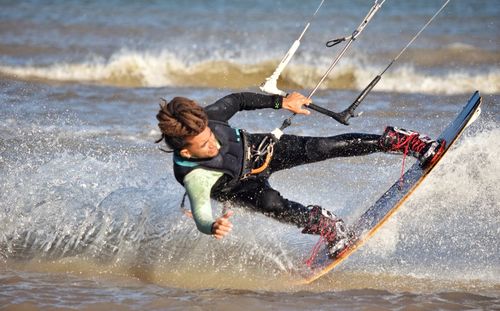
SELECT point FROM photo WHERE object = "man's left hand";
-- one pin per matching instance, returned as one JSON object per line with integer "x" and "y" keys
{"x": 222, "y": 226}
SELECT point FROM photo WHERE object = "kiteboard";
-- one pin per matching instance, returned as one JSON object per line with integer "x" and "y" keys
{"x": 368, "y": 224}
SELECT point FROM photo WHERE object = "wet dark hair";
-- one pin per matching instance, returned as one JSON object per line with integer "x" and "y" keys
{"x": 178, "y": 119}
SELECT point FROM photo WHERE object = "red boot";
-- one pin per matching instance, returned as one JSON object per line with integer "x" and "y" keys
{"x": 331, "y": 228}
{"x": 423, "y": 148}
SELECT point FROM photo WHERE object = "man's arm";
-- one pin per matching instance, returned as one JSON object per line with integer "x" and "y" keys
{"x": 198, "y": 184}
{"x": 228, "y": 106}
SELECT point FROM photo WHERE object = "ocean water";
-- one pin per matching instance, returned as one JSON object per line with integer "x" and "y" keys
{"x": 89, "y": 208}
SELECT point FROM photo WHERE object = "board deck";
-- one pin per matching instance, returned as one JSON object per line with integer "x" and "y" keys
{"x": 366, "y": 226}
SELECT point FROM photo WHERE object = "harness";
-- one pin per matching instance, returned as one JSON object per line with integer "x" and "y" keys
{"x": 238, "y": 157}
{"x": 257, "y": 158}
{"x": 254, "y": 160}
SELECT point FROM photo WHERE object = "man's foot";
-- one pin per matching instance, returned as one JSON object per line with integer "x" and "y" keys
{"x": 423, "y": 148}
{"x": 331, "y": 228}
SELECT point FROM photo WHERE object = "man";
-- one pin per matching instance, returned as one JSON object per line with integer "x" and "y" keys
{"x": 213, "y": 159}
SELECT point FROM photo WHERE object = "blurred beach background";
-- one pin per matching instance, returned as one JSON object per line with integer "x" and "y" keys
{"x": 89, "y": 207}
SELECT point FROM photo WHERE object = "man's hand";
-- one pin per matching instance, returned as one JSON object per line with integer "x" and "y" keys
{"x": 222, "y": 226}
{"x": 295, "y": 101}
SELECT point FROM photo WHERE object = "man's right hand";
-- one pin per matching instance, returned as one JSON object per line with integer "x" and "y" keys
{"x": 222, "y": 226}
{"x": 295, "y": 102}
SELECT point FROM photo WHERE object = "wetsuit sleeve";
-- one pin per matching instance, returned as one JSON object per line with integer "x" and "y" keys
{"x": 198, "y": 184}
{"x": 228, "y": 106}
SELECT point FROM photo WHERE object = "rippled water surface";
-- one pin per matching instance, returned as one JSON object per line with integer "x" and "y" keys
{"x": 89, "y": 208}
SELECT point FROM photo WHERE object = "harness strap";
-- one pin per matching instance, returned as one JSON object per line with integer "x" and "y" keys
{"x": 257, "y": 160}
{"x": 269, "y": 155}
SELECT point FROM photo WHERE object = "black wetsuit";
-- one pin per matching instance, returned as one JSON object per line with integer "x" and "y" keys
{"x": 289, "y": 151}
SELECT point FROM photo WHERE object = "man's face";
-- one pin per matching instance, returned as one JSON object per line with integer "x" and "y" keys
{"x": 203, "y": 145}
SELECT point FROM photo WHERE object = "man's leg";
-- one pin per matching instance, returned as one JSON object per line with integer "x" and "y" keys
{"x": 294, "y": 150}
{"x": 260, "y": 196}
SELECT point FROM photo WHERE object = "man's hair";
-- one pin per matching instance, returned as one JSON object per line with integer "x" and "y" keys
{"x": 180, "y": 118}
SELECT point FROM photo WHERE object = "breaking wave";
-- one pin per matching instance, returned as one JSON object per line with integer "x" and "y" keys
{"x": 143, "y": 69}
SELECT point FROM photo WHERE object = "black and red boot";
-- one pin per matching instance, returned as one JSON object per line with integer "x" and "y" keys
{"x": 331, "y": 229}
{"x": 423, "y": 148}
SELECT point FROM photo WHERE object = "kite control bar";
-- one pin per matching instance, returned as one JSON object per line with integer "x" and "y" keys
{"x": 344, "y": 116}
